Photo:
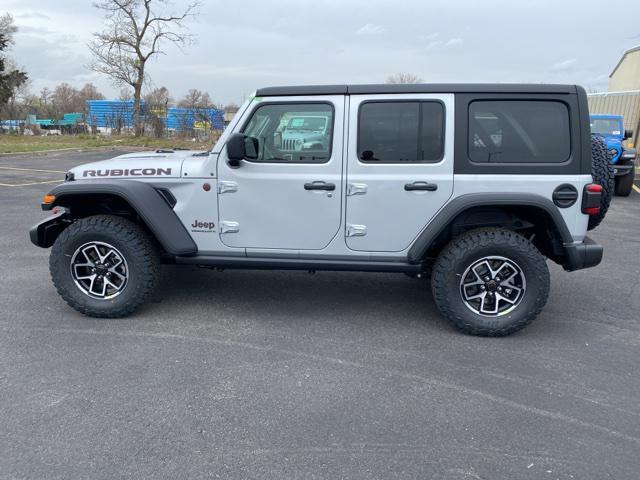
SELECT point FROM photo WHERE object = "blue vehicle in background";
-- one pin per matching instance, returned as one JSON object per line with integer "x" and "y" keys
{"x": 611, "y": 129}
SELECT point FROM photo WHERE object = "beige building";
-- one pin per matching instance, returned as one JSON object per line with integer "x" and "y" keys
{"x": 623, "y": 97}
{"x": 626, "y": 74}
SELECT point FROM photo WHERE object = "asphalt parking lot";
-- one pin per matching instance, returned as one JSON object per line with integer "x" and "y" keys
{"x": 242, "y": 374}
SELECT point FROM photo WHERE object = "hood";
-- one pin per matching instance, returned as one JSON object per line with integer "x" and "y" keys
{"x": 161, "y": 163}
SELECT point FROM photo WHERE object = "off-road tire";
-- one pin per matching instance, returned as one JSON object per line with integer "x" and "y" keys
{"x": 467, "y": 249}
{"x": 624, "y": 184}
{"x": 602, "y": 173}
{"x": 140, "y": 253}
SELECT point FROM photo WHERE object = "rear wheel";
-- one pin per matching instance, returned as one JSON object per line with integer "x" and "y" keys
{"x": 104, "y": 266}
{"x": 490, "y": 282}
{"x": 624, "y": 184}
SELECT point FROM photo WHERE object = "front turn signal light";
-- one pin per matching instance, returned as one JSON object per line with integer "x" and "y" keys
{"x": 48, "y": 199}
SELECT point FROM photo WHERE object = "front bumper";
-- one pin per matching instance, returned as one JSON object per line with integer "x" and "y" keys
{"x": 44, "y": 233}
{"x": 582, "y": 255}
{"x": 626, "y": 162}
{"x": 622, "y": 169}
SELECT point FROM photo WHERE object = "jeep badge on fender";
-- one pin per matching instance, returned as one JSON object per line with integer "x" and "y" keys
{"x": 351, "y": 177}
{"x": 205, "y": 227}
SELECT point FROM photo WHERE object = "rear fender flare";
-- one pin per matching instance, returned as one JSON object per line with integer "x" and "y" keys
{"x": 457, "y": 206}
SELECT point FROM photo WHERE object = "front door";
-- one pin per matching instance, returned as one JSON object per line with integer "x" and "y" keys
{"x": 400, "y": 168}
{"x": 290, "y": 196}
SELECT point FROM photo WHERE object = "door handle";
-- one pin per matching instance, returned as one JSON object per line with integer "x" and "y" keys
{"x": 429, "y": 187}
{"x": 320, "y": 186}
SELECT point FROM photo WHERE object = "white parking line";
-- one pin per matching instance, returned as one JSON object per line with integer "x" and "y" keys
{"x": 636, "y": 188}
{"x": 27, "y": 184}
{"x": 31, "y": 170}
{"x": 35, "y": 170}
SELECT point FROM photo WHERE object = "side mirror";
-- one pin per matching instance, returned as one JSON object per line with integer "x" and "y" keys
{"x": 628, "y": 134}
{"x": 241, "y": 146}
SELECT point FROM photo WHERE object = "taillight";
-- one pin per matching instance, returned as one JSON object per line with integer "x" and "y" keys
{"x": 591, "y": 210}
{"x": 591, "y": 199}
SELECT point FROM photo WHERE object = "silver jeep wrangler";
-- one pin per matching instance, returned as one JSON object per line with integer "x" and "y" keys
{"x": 472, "y": 186}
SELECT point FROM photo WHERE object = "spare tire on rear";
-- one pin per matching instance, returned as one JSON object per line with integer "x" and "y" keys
{"x": 602, "y": 173}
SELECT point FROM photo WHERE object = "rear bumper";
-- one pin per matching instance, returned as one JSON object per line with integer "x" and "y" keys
{"x": 583, "y": 255}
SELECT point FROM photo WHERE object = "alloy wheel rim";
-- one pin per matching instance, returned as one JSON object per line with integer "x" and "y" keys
{"x": 492, "y": 286}
{"x": 99, "y": 270}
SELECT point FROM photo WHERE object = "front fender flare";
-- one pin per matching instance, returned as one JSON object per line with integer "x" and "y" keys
{"x": 147, "y": 203}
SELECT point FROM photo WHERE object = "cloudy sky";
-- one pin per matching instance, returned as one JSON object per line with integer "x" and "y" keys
{"x": 242, "y": 45}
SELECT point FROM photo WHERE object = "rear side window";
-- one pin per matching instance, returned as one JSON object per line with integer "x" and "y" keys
{"x": 519, "y": 131}
{"x": 401, "y": 132}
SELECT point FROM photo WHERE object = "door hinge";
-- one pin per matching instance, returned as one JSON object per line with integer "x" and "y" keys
{"x": 229, "y": 227}
{"x": 224, "y": 187}
{"x": 356, "y": 189}
{"x": 356, "y": 230}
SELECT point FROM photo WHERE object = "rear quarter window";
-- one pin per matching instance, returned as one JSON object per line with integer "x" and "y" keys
{"x": 519, "y": 131}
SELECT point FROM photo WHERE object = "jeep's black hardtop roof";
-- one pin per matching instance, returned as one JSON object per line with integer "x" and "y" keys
{"x": 415, "y": 88}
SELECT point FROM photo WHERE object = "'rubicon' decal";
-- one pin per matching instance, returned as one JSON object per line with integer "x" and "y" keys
{"x": 126, "y": 172}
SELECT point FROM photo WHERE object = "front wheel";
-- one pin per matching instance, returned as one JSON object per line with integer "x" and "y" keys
{"x": 490, "y": 282}
{"x": 104, "y": 266}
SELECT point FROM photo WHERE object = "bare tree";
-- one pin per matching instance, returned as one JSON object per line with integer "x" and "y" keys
{"x": 158, "y": 98}
{"x": 64, "y": 99}
{"x": 86, "y": 93}
{"x": 45, "y": 98}
{"x": 157, "y": 102}
{"x": 125, "y": 94}
{"x": 399, "y": 78}
{"x": 134, "y": 32}
{"x": 196, "y": 99}
{"x": 89, "y": 92}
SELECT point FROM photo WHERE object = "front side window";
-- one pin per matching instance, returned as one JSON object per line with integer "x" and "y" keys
{"x": 519, "y": 131}
{"x": 401, "y": 132}
{"x": 292, "y": 132}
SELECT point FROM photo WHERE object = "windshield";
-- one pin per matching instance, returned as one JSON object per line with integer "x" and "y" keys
{"x": 605, "y": 126}
{"x": 307, "y": 123}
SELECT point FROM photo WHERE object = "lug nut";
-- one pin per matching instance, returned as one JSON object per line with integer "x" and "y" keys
{"x": 486, "y": 279}
{"x": 482, "y": 287}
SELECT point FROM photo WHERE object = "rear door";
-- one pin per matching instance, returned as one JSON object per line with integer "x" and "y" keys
{"x": 400, "y": 167}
